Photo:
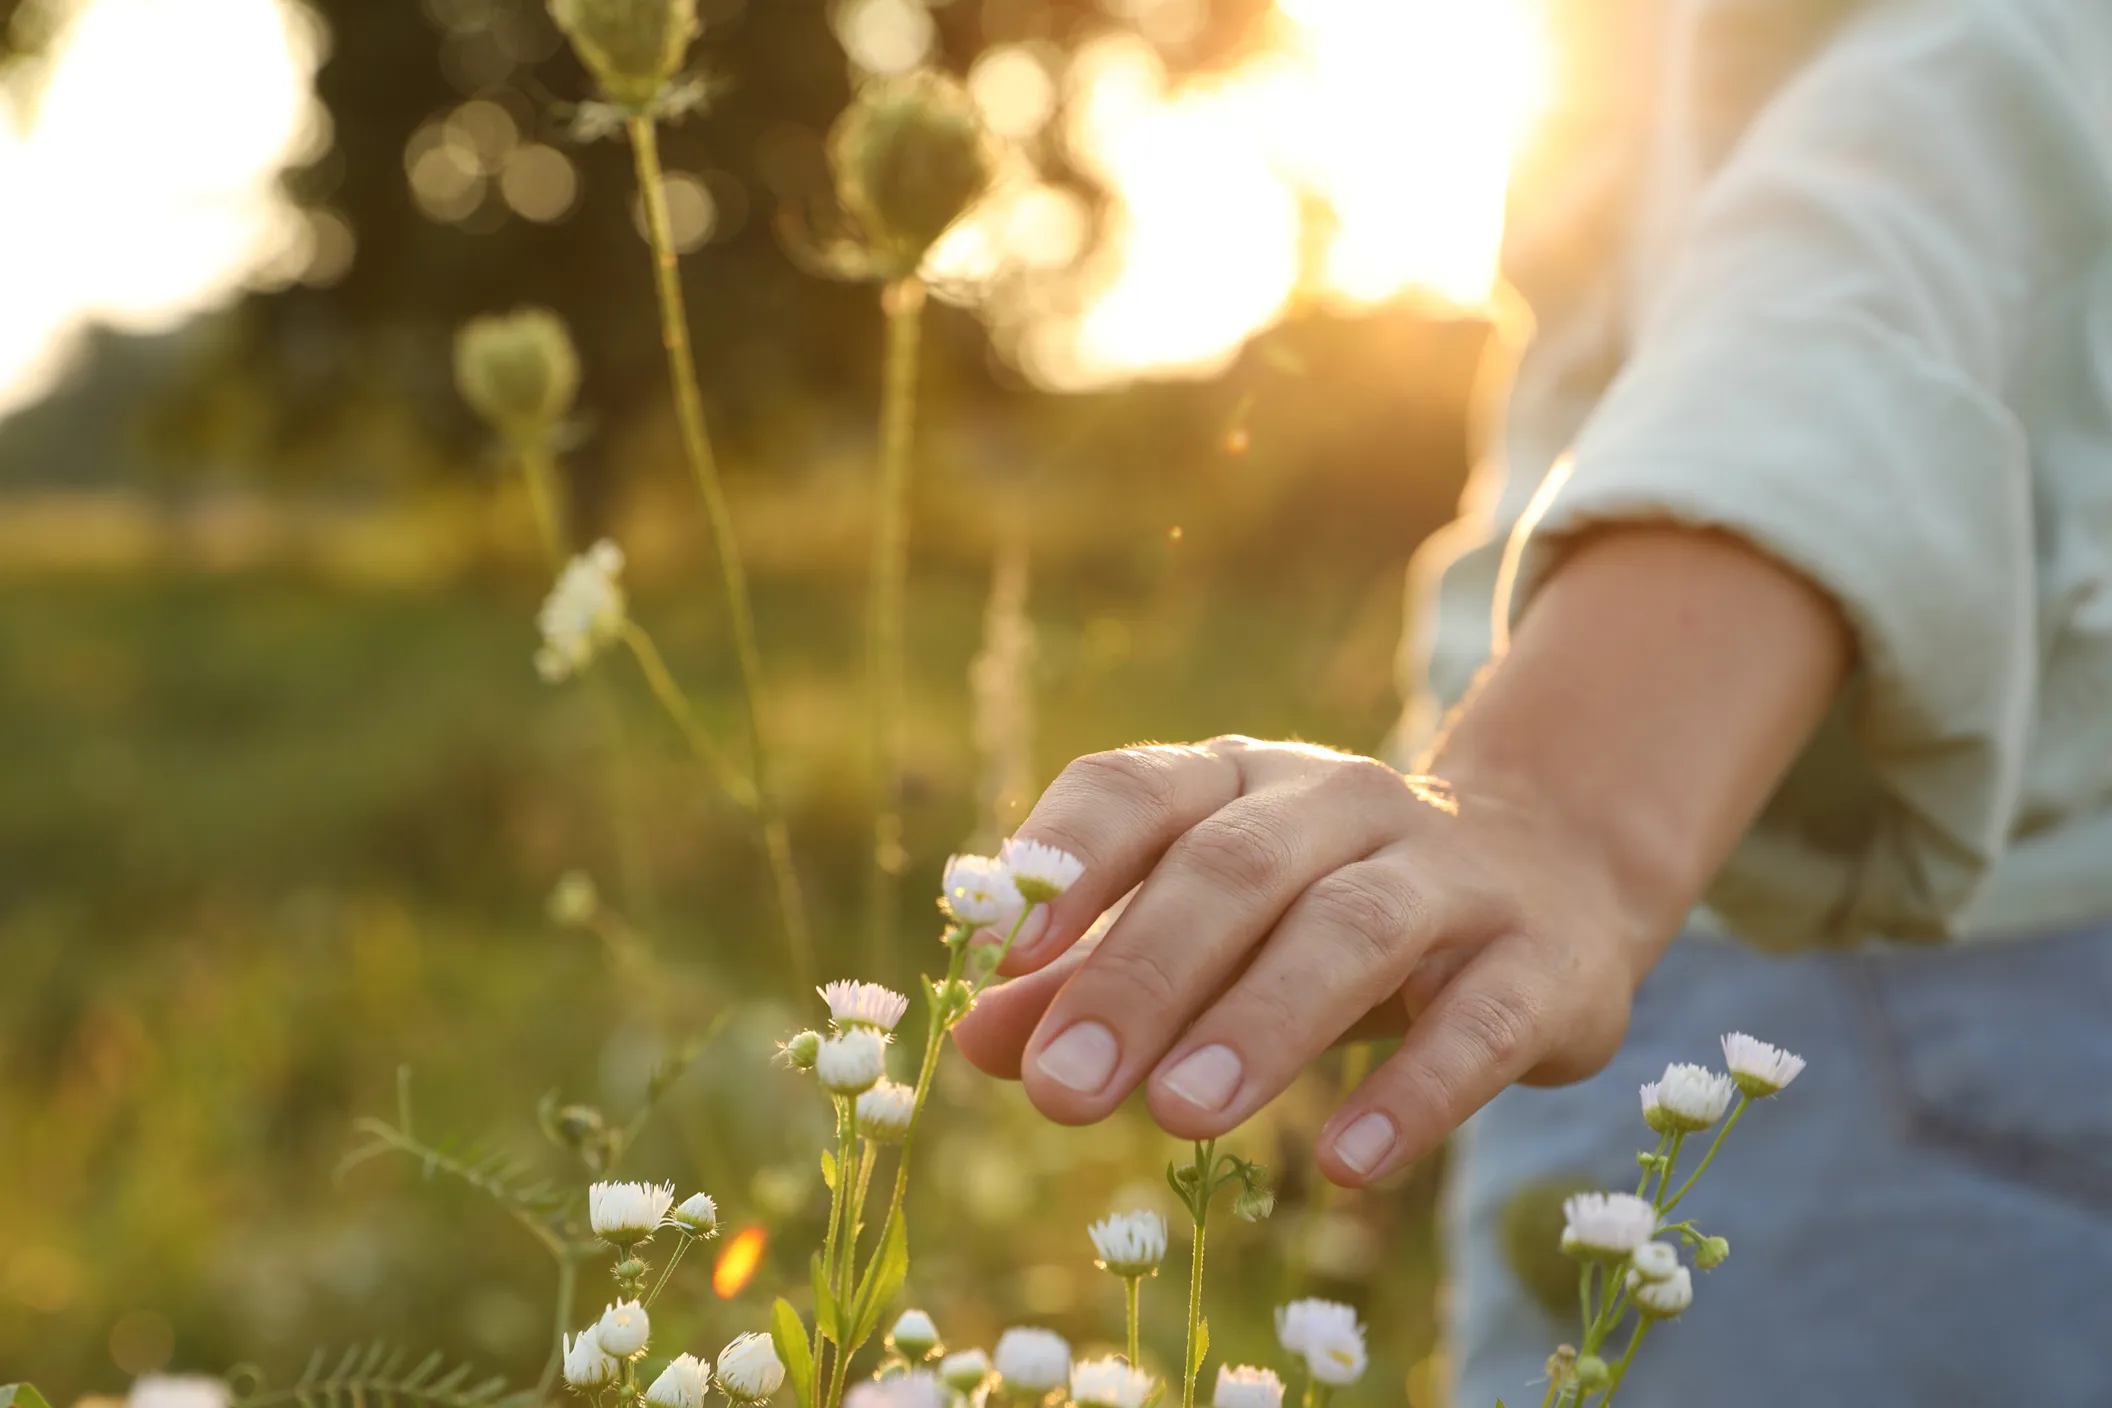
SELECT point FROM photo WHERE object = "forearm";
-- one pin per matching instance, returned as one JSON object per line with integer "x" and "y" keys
{"x": 1659, "y": 685}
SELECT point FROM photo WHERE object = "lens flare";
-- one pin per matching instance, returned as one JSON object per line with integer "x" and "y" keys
{"x": 738, "y": 1261}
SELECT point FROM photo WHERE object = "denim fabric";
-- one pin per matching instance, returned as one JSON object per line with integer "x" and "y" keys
{"x": 1924, "y": 1218}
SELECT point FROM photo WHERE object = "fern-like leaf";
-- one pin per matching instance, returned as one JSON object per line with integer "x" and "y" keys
{"x": 373, "y": 1376}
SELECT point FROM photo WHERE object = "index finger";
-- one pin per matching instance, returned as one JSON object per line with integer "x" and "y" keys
{"x": 1118, "y": 812}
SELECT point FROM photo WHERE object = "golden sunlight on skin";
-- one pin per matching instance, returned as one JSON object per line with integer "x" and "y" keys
{"x": 136, "y": 223}
{"x": 1398, "y": 118}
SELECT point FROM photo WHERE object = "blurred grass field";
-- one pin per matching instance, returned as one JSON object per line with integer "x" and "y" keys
{"x": 278, "y": 819}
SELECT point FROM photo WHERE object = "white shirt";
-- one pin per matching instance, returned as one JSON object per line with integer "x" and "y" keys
{"x": 1836, "y": 276}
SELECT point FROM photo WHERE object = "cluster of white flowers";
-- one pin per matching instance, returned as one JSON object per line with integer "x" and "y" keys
{"x": 1130, "y": 1244}
{"x": 1323, "y": 1335}
{"x": 994, "y": 892}
{"x": 583, "y": 613}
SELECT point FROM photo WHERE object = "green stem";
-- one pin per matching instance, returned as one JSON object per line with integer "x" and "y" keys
{"x": 1205, "y": 1157}
{"x": 1620, "y": 1370}
{"x": 672, "y": 698}
{"x": 885, "y": 652}
{"x": 1642, "y": 1185}
{"x": 836, "y": 1200}
{"x": 567, "y": 1282}
{"x": 669, "y": 1269}
{"x": 696, "y": 446}
{"x": 1706, "y": 1159}
{"x": 1130, "y": 1316}
{"x": 539, "y": 473}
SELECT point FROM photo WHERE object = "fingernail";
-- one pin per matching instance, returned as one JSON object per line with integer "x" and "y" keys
{"x": 1205, "y": 1078}
{"x": 1081, "y": 1059}
{"x": 1365, "y": 1144}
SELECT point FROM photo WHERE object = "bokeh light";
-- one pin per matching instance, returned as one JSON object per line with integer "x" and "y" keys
{"x": 139, "y": 225}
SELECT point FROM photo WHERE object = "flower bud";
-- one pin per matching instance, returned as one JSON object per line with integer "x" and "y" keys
{"x": 632, "y": 47}
{"x": 1712, "y": 1252}
{"x": 698, "y": 1215}
{"x": 575, "y": 901}
{"x": 587, "y": 1365}
{"x": 1592, "y": 1373}
{"x": 965, "y": 1372}
{"x": 914, "y": 1336}
{"x": 629, "y": 1269}
{"x": 623, "y": 1329}
{"x": 684, "y": 1383}
{"x": 518, "y": 371}
{"x": 801, "y": 1050}
{"x": 749, "y": 1369}
{"x": 883, "y": 1114}
{"x": 1654, "y": 1261}
{"x": 910, "y": 156}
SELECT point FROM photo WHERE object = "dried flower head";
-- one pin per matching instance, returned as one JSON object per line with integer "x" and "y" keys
{"x": 587, "y": 1365}
{"x": 1606, "y": 1224}
{"x": 1031, "y": 1360}
{"x": 684, "y": 1383}
{"x": 749, "y": 1369}
{"x": 1760, "y": 1070}
{"x": 1326, "y": 1336}
{"x": 623, "y": 1213}
{"x": 1040, "y": 873}
{"x": 851, "y": 1062}
{"x": 1130, "y": 1243}
{"x": 1686, "y": 1099}
{"x": 518, "y": 371}
{"x": 632, "y": 47}
{"x": 854, "y": 1004}
{"x": 884, "y": 1112}
{"x": 1247, "y": 1387}
{"x": 623, "y": 1329}
{"x": 1109, "y": 1383}
{"x": 583, "y": 613}
{"x": 910, "y": 155}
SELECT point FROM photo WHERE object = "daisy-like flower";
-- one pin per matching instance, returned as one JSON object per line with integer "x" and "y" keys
{"x": 623, "y": 1329}
{"x": 1686, "y": 1099}
{"x": 978, "y": 892}
{"x": 914, "y": 1335}
{"x": 583, "y": 613}
{"x": 1030, "y": 1360}
{"x": 918, "y": 1388}
{"x": 587, "y": 1365}
{"x": 851, "y": 1062}
{"x": 177, "y": 1391}
{"x": 749, "y": 1369}
{"x": 1662, "y": 1300}
{"x": 854, "y": 1004}
{"x": 623, "y": 1213}
{"x": 1654, "y": 1261}
{"x": 1130, "y": 1244}
{"x": 884, "y": 1112}
{"x": 964, "y": 1372}
{"x": 1759, "y": 1069}
{"x": 682, "y": 1384}
{"x": 698, "y": 1215}
{"x": 1247, "y": 1387}
{"x": 1040, "y": 873}
{"x": 1606, "y": 1224}
{"x": 1326, "y": 1335}
{"x": 1108, "y": 1383}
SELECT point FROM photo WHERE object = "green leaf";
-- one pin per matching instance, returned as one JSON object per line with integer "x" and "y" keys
{"x": 790, "y": 1337}
{"x": 882, "y": 1283}
{"x": 21, "y": 1396}
{"x": 826, "y": 1320}
{"x": 1202, "y": 1346}
{"x": 828, "y": 1169}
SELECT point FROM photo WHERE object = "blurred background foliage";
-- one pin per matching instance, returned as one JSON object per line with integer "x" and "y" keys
{"x": 281, "y": 797}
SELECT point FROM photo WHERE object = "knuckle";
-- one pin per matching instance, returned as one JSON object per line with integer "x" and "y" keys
{"x": 1496, "y": 1026}
{"x": 1240, "y": 849}
{"x": 1139, "y": 776}
{"x": 1141, "y": 975}
{"x": 1370, "y": 906}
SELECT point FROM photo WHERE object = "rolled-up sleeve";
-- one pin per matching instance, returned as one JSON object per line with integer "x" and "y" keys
{"x": 1821, "y": 366}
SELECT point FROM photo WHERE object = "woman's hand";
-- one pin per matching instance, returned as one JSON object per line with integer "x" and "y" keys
{"x": 1287, "y": 895}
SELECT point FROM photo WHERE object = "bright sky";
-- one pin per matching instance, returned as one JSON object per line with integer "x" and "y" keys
{"x": 135, "y": 196}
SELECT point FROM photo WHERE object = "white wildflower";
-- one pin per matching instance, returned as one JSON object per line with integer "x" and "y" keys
{"x": 684, "y": 1383}
{"x": 917, "y": 1388}
{"x": 1130, "y": 1243}
{"x": 1607, "y": 1224}
{"x": 587, "y": 1364}
{"x": 177, "y": 1391}
{"x": 623, "y": 1329}
{"x": 583, "y": 613}
{"x": 1654, "y": 1261}
{"x": 884, "y": 1112}
{"x": 1326, "y": 1335}
{"x": 979, "y": 893}
{"x": 854, "y": 1004}
{"x": 1662, "y": 1300}
{"x": 1040, "y": 873}
{"x": 698, "y": 1215}
{"x": 1759, "y": 1069}
{"x": 965, "y": 1372}
{"x": 622, "y": 1213}
{"x": 1686, "y": 1099}
{"x": 1031, "y": 1360}
{"x": 749, "y": 1369}
{"x": 914, "y": 1335}
{"x": 851, "y": 1062}
{"x": 1108, "y": 1383}
{"x": 1247, "y": 1387}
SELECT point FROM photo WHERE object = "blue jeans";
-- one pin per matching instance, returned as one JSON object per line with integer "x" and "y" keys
{"x": 1923, "y": 1218}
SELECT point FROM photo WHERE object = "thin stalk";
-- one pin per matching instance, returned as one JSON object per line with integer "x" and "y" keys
{"x": 1129, "y": 1312}
{"x": 696, "y": 447}
{"x": 1707, "y": 1158}
{"x": 1642, "y": 1185}
{"x": 672, "y": 698}
{"x": 1620, "y": 1370}
{"x": 885, "y": 663}
{"x": 539, "y": 473}
{"x": 669, "y": 1269}
{"x": 1205, "y": 1158}
{"x": 567, "y": 1284}
{"x": 836, "y": 1200}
